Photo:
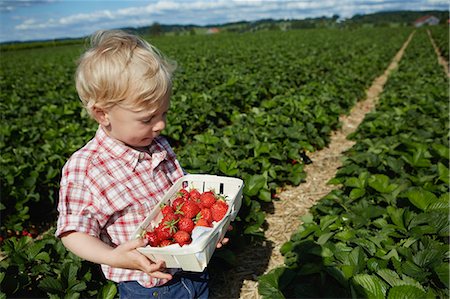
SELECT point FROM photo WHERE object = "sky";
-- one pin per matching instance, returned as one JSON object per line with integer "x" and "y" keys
{"x": 23, "y": 20}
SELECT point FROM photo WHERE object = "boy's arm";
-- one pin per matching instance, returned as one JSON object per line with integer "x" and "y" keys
{"x": 123, "y": 256}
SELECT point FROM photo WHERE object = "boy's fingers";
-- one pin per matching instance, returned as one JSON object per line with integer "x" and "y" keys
{"x": 153, "y": 270}
{"x": 136, "y": 243}
{"x": 161, "y": 275}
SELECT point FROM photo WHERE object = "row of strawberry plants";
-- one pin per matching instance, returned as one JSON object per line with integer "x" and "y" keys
{"x": 247, "y": 69}
{"x": 384, "y": 233}
{"x": 264, "y": 145}
{"x": 440, "y": 35}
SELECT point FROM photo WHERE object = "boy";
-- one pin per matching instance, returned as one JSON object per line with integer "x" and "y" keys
{"x": 110, "y": 185}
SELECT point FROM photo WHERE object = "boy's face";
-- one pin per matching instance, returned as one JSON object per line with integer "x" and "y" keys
{"x": 136, "y": 129}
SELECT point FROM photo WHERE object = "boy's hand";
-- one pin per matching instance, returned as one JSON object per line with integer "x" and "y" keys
{"x": 127, "y": 256}
{"x": 123, "y": 256}
{"x": 224, "y": 241}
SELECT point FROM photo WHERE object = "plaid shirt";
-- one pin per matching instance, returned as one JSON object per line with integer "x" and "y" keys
{"x": 107, "y": 189}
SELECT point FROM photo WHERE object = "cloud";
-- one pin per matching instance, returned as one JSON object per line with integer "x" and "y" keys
{"x": 199, "y": 12}
{"x": 12, "y": 5}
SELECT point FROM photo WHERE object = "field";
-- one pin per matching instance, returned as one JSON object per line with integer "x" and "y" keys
{"x": 254, "y": 106}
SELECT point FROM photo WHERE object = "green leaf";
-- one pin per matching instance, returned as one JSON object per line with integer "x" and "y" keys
{"x": 421, "y": 198}
{"x": 372, "y": 286}
{"x": 357, "y": 258}
{"x": 396, "y": 215}
{"x": 357, "y": 193}
{"x": 43, "y": 256}
{"x": 254, "y": 184}
{"x": 272, "y": 284}
{"x": 442, "y": 150}
{"x": 51, "y": 285}
{"x": 442, "y": 271}
{"x": 444, "y": 174}
{"x": 265, "y": 195}
{"x": 380, "y": 182}
{"x": 406, "y": 292}
{"x": 324, "y": 238}
{"x": 327, "y": 220}
{"x": 390, "y": 277}
{"x": 109, "y": 291}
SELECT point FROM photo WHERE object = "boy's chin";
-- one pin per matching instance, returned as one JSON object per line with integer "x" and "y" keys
{"x": 146, "y": 142}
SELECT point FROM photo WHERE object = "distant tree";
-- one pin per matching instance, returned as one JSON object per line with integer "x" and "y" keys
{"x": 155, "y": 29}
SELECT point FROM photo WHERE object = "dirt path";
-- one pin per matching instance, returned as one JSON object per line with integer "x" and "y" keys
{"x": 255, "y": 260}
{"x": 441, "y": 59}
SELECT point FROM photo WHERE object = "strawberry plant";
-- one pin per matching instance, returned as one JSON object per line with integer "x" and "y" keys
{"x": 384, "y": 233}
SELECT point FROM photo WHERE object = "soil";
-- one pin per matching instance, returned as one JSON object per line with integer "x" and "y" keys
{"x": 295, "y": 201}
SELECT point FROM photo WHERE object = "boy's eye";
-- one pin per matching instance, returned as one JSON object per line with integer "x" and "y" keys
{"x": 146, "y": 121}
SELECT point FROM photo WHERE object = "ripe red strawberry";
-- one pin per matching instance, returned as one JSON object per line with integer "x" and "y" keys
{"x": 177, "y": 203}
{"x": 194, "y": 194}
{"x": 181, "y": 237}
{"x": 207, "y": 199}
{"x": 166, "y": 209}
{"x": 183, "y": 193}
{"x": 152, "y": 238}
{"x": 218, "y": 210}
{"x": 165, "y": 230}
{"x": 165, "y": 243}
{"x": 190, "y": 209}
{"x": 169, "y": 218}
{"x": 203, "y": 222}
{"x": 186, "y": 224}
{"x": 206, "y": 214}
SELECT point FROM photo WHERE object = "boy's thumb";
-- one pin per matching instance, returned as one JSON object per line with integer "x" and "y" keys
{"x": 136, "y": 243}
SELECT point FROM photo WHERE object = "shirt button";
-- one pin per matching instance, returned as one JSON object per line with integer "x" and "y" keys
{"x": 155, "y": 294}
{"x": 141, "y": 156}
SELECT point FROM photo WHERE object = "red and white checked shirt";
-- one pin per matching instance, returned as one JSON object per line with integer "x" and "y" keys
{"x": 107, "y": 189}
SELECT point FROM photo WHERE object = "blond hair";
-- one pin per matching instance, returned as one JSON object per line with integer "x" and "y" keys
{"x": 122, "y": 69}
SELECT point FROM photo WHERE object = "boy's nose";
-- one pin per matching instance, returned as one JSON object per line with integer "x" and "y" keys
{"x": 159, "y": 126}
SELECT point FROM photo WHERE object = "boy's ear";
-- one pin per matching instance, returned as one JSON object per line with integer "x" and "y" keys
{"x": 101, "y": 116}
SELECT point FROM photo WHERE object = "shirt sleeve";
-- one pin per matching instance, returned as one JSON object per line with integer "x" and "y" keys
{"x": 76, "y": 210}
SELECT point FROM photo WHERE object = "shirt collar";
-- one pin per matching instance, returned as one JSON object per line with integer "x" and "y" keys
{"x": 118, "y": 150}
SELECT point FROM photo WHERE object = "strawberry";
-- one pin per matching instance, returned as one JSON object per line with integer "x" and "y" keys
{"x": 207, "y": 199}
{"x": 166, "y": 209}
{"x": 183, "y": 193}
{"x": 169, "y": 218}
{"x": 181, "y": 237}
{"x": 165, "y": 230}
{"x": 190, "y": 209}
{"x": 177, "y": 203}
{"x": 194, "y": 194}
{"x": 152, "y": 238}
{"x": 203, "y": 222}
{"x": 186, "y": 224}
{"x": 165, "y": 243}
{"x": 218, "y": 210}
{"x": 206, "y": 214}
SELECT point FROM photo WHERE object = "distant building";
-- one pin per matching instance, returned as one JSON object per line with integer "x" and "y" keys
{"x": 213, "y": 30}
{"x": 426, "y": 20}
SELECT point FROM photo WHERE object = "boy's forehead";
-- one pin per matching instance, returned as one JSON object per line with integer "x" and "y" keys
{"x": 151, "y": 109}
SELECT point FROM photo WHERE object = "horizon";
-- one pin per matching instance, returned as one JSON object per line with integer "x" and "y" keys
{"x": 38, "y": 20}
{"x": 216, "y": 24}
